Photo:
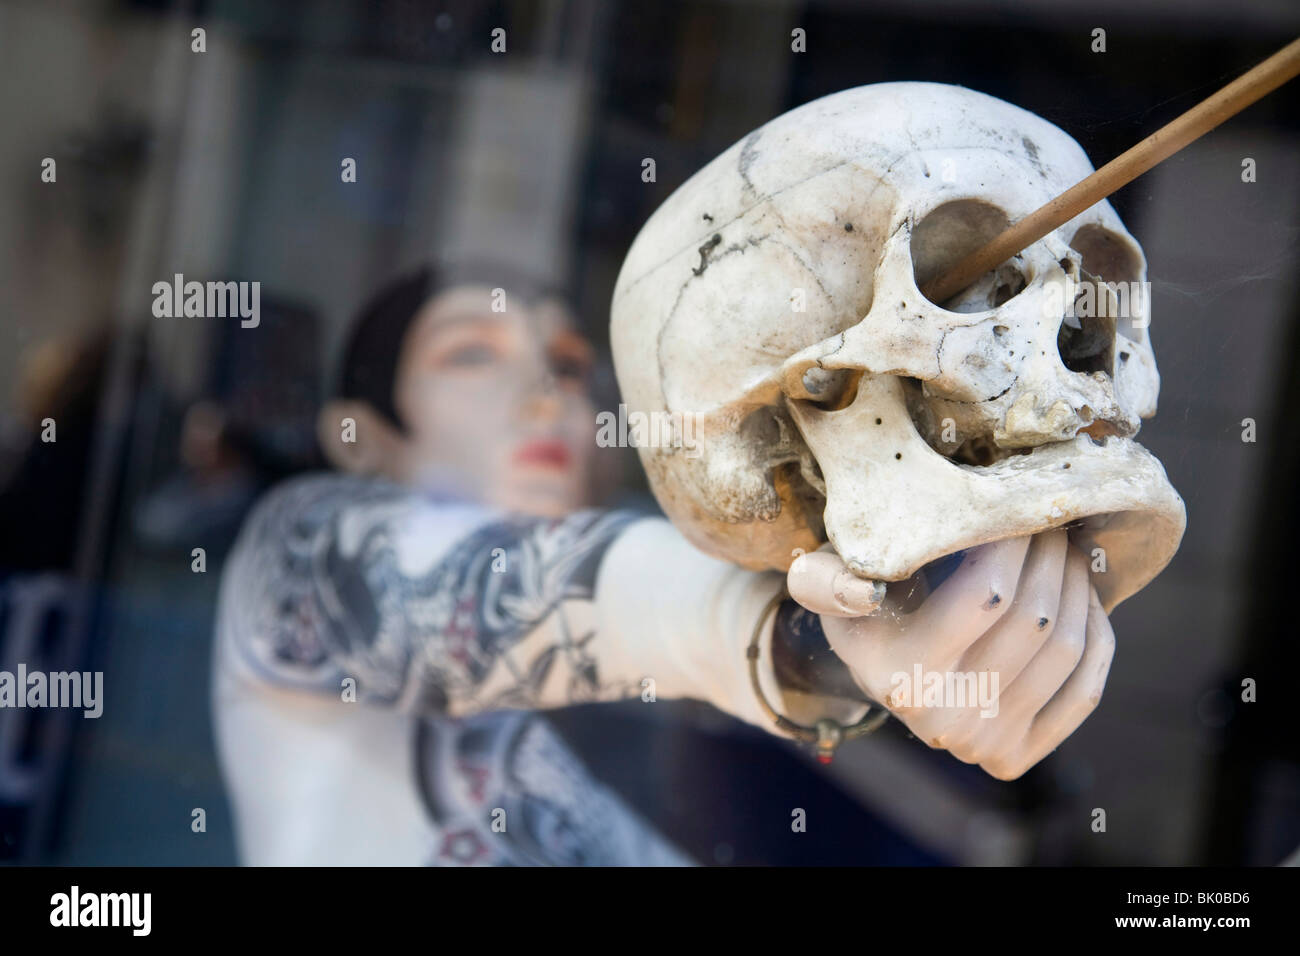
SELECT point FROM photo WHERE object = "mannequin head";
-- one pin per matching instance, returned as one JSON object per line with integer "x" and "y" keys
{"x": 468, "y": 388}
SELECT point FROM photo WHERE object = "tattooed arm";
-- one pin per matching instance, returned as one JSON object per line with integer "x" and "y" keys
{"x": 443, "y": 608}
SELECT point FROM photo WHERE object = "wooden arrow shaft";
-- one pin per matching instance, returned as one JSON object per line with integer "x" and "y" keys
{"x": 1123, "y": 169}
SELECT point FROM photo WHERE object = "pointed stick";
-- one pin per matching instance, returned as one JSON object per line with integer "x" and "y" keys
{"x": 1120, "y": 171}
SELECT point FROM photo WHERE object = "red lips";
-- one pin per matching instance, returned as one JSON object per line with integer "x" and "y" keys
{"x": 546, "y": 452}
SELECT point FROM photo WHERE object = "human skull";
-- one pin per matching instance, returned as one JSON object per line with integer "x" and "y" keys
{"x": 772, "y": 303}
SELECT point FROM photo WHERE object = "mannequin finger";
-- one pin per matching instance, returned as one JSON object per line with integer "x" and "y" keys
{"x": 822, "y": 583}
{"x": 956, "y": 730}
{"x": 999, "y": 656}
{"x": 1050, "y": 668}
{"x": 927, "y": 724}
{"x": 1069, "y": 708}
{"x": 1079, "y": 696}
{"x": 966, "y": 605}
{"x": 1047, "y": 670}
{"x": 1014, "y": 640}
{"x": 996, "y": 658}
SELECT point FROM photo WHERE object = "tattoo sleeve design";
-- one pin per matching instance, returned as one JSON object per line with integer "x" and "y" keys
{"x": 503, "y": 789}
{"x": 338, "y": 584}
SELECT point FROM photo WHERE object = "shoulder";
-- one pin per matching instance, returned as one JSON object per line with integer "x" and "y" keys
{"x": 310, "y": 556}
{"x": 268, "y": 617}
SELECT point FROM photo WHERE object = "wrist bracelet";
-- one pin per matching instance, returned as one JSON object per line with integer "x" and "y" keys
{"x": 827, "y": 733}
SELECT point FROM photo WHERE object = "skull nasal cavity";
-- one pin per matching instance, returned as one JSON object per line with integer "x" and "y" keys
{"x": 951, "y": 231}
{"x": 1087, "y": 343}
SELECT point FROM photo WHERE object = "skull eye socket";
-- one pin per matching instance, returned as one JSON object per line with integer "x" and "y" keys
{"x": 953, "y": 230}
{"x": 1112, "y": 258}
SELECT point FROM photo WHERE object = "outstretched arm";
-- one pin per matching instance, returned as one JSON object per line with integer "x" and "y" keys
{"x": 450, "y": 609}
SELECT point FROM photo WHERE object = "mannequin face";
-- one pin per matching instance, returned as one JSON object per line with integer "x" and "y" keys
{"x": 495, "y": 404}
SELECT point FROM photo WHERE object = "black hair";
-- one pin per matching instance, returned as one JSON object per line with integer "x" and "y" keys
{"x": 374, "y": 346}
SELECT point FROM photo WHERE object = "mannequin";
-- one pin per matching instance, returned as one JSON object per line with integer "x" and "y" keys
{"x": 384, "y": 628}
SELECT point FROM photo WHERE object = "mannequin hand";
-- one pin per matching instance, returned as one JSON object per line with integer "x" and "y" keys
{"x": 1013, "y": 649}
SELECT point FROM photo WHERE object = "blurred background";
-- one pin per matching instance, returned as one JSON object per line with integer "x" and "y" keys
{"x": 226, "y": 164}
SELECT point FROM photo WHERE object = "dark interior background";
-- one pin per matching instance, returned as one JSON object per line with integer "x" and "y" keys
{"x": 226, "y": 164}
